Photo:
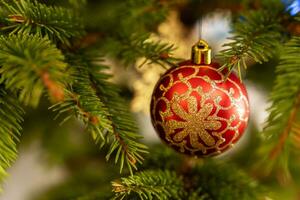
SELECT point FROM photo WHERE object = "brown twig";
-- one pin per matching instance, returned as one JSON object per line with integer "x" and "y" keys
{"x": 117, "y": 136}
{"x": 279, "y": 147}
{"x": 55, "y": 89}
{"x": 91, "y": 118}
{"x": 17, "y": 18}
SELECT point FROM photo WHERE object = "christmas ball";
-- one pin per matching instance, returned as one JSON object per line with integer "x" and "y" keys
{"x": 196, "y": 110}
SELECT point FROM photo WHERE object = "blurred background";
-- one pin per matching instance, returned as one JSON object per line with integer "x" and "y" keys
{"x": 54, "y": 158}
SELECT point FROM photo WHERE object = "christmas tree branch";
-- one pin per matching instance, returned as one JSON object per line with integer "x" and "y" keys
{"x": 162, "y": 152}
{"x": 111, "y": 120}
{"x": 223, "y": 181}
{"x": 123, "y": 123}
{"x": 291, "y": 124}
{"x": 206, "y": 181}
{"x": 30, "y": 63}
{"x": 282, "y": 123}
{"x": 256, "y": 37}
{"x": 150, "y": 185}
{"x": 122, "y": 21}
{"x": 129, "y": 50}
{"x": 125, "y": 35}
{"x": 26, "y": 16}
{"x": 11, "y": 116}
{"x": 82, "y": 102}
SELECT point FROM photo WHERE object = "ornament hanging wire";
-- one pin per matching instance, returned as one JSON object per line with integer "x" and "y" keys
{"x": 199, "y": 28}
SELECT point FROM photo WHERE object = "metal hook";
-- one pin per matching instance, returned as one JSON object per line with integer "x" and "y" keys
{"x": 201, "y": 53}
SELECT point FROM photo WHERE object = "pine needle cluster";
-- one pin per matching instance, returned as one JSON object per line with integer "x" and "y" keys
{"x": 44, "y": 50}
{"x": 256, "y": 36}
{"x": 58, "y": 49}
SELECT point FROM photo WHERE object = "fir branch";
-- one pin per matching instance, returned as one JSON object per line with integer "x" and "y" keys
{"x": 295, "y": 137}
{"x": 130, "y": 49}
{"x": 162, "y": 152}
{"x": 290, "y": 125}
{"x": 285, "y": 97}
{"x": 114, "y": 123}
{"x": 78, "y": 4}
{"x": 256, "y": 37}
{"x": 11, "y": 116}
{"x": 223, "y": 181}
{"x": 82, "y": 102}
{"x": 149, "y": 185}
{"x": 26, "y": 16}
{"x": 124, "y": 35}
{"x": 197, "y": 195}
{"x": 29, "y": 64}
{"x": 124, "y": 125}
{"x": 126, "y": 17}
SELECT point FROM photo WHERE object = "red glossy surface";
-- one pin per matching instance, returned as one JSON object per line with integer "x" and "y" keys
{"x": 221, "y": 109}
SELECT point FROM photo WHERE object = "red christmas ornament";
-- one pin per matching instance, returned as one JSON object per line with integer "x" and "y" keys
{"x": 196, "y": 110}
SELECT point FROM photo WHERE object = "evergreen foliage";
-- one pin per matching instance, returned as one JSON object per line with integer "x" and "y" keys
{"x": 223, "y": 181}
{"x": 150, "y": 185}
{"x": 129, "y": 45}
{"x": 49, "y": 47}
{"x": 256, "y": 37}
{"x": 124, "y": 141}
{"x": 10, "y": 128}
{"x": 282, "y": 127}
{"x": 28, "y": 16}
{"x": 161, "y": 152}
{"x": 96, "y": 101}
{"x": 139, "y": 46}
{"x": 208, "y": 181}
{"x": 31, "y": 63}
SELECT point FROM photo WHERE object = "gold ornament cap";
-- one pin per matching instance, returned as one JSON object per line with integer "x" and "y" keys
{"x": 201, "y": 53}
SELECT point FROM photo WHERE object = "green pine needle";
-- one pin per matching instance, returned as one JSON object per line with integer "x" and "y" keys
{"x": 29, "y": 64}
{"x": 96, "y": 101}
{"x": 223, "y": 181}
{"x": 256, "y": 37}
{"x": 11, "y": 116}
{"x": 130, "y": 49}
{"x": 26, "y": 16}
{"x": 282, "y": 127}
{"x": 161, "y": 185}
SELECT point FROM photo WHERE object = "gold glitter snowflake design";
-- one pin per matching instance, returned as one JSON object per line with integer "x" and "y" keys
{"x": 196, "y": 123}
